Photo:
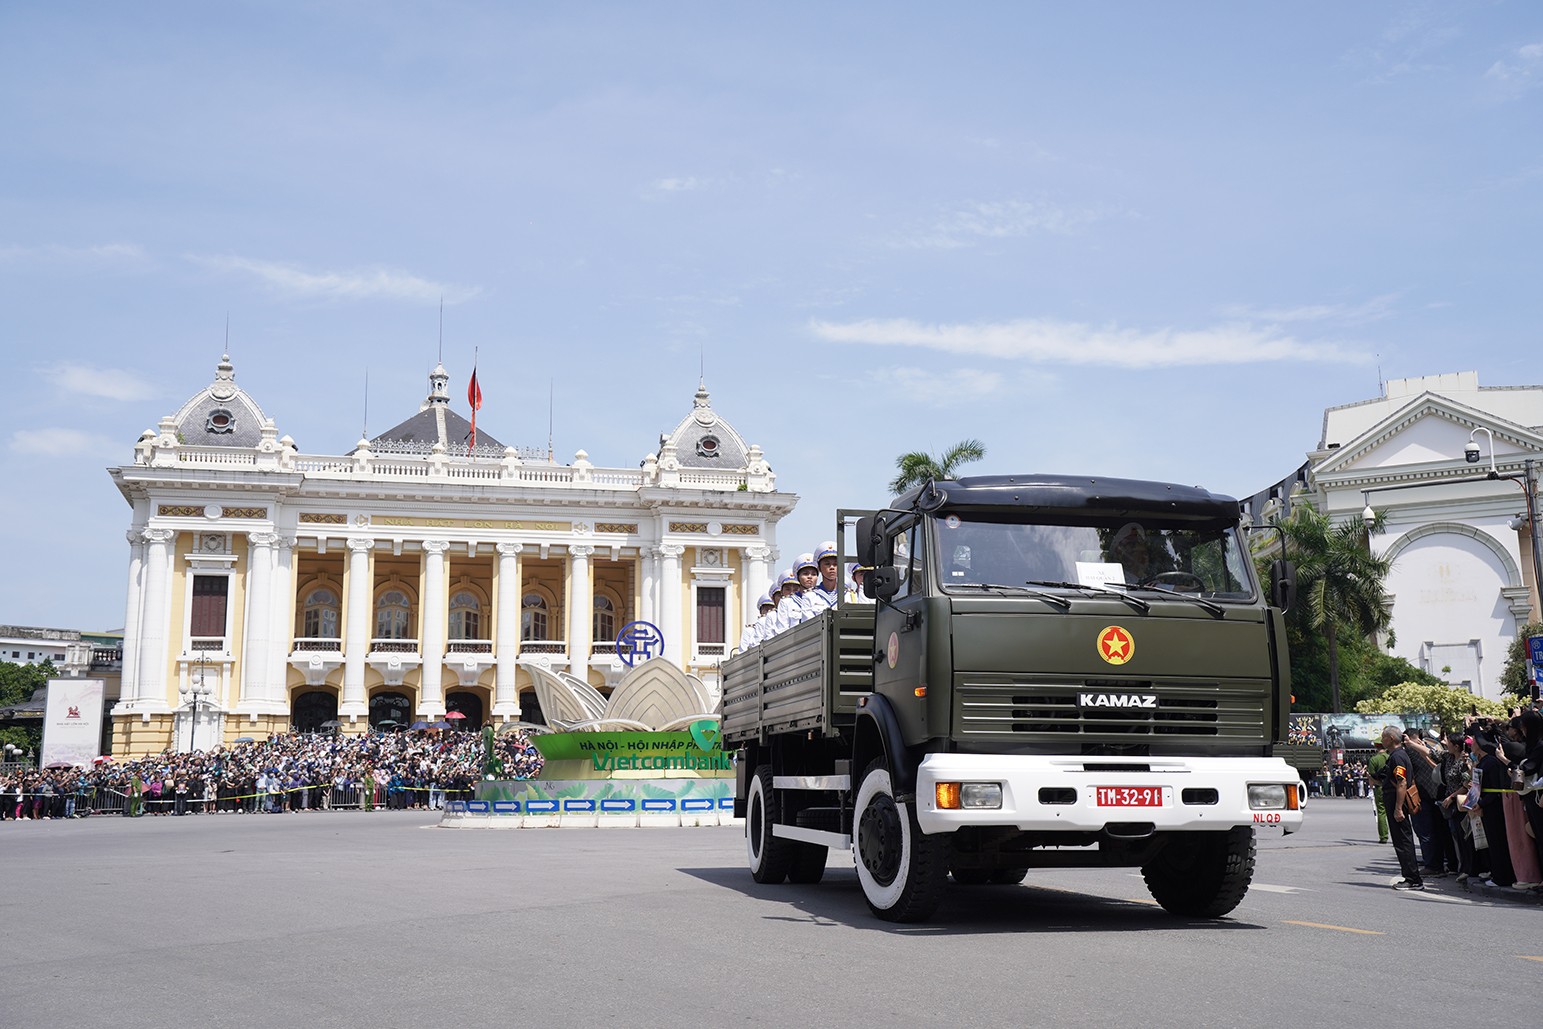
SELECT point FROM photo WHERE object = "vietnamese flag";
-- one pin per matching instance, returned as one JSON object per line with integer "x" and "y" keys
{"x": 474, "y": 398}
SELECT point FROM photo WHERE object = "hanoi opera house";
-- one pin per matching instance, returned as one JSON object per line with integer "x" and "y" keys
{"x": 417, "y": 576}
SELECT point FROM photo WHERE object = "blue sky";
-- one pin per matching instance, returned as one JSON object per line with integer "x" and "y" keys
{"x": 1152, "y": 240}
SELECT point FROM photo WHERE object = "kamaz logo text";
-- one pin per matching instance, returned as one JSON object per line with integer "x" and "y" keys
{"x": 1144, "y": 700}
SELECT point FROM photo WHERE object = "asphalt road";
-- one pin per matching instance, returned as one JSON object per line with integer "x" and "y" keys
{"x": 384, "y": 920}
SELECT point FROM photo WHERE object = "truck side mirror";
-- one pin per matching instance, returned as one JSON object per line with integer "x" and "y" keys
{"x": 1283, "y": 584}
{"x": 867, "y": 540}
{"x": 881, "y": 583}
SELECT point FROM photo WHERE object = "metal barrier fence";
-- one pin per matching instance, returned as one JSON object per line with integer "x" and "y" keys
{"x": 104, "y": 801}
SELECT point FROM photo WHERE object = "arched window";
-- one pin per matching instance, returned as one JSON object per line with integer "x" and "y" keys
{"x": 604, "y": 627}
{"x": 321, "y": 615}
{"x": 465, "y": 616}
{"x": 533, "y": 617}
{"x": 392, "y": 615}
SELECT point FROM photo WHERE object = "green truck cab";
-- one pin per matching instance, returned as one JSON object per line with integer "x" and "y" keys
{"x": 1052, "y": 671}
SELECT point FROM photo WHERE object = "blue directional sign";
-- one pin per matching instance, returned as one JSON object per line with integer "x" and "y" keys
{"x": 1535, "y": 653}
{"x": 638, "y": 642}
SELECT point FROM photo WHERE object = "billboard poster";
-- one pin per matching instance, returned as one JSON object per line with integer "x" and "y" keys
{"x": 1361, "y": 732}
{"x": 72, "y": 721}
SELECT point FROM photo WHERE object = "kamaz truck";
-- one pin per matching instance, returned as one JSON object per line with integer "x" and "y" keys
{"x": 1049, "y": 672}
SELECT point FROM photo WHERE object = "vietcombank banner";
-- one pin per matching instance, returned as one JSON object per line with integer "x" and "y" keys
{"x": 696, "y": 750}
{"x": 72, "y": 721}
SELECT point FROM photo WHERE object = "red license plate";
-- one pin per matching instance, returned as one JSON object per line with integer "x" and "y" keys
{"x": 1130, "y": 796}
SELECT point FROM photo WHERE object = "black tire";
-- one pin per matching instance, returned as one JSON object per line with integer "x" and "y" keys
{"x": 808, "y": 865}
{"x": 902, "y": 870}
{"x": 770, "y": 856}
{"x": 1009, "y": 876}
{"x": 1202, "y": 874}
{"x": 971, "y": 876}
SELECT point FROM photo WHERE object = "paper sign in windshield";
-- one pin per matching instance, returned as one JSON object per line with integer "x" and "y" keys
{"x": 1099, "y": 573}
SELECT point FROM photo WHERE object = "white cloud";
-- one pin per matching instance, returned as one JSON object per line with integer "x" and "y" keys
{"x": 365, "y": 284}
{"x": 1351, "y": 314}
{"x": 86, "y": 381}
{"x": 67, "y": 443}
{"x": 1052, "y": 342}
{"x": 949, "y": 389}
{"x": 679, "y": 184}
{"x": 970, "y": 224}
{"x": 1520, "y": 71}
{"x": 99, "y": 253}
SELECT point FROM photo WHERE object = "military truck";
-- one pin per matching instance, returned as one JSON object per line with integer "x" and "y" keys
{"x": 1050, "y": 672}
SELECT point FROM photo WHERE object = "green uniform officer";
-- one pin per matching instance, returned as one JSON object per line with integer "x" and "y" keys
{"x": 1376, "y": 767}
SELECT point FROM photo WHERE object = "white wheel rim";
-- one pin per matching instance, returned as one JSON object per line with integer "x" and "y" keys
{"x": 882, "y": 897}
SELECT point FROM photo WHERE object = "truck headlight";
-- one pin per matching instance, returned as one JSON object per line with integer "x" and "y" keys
{"x": 952, "y": 796}
{"x": 1271, "y": 797}
{"x": 980, "y": 795}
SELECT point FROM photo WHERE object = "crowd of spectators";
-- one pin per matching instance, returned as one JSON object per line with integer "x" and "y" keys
{"x": 284, "y": 773}
{"x": 1480, "y": 798}
{"x": 1347, "y": 780}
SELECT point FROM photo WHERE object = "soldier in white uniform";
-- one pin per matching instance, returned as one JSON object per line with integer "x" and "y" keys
{"x": 854, "y": 593}
{"x": 791, "y": 609}
{"x": 825, "y": 592}
{"x": 752, "y": 634}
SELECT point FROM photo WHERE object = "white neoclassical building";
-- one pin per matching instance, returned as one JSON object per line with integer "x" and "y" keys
{"x": 1462, "y": 581}
{"x": 415, "y": 577}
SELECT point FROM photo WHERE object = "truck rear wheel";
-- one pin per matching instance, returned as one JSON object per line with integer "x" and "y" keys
{"x": 1202, "y": 874}
{"x": 770, "y": 856}
{"x": 901, "y": 869}
{"x": 808, "y": 864}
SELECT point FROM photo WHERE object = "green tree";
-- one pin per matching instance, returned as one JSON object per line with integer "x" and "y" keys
{"x": 917, "y": 467}
{"x": 17, "y": 684}
{"x": 1339, "y": 583}
{"x": 1446, "y": 704}
{"x": 1514, "y": 681}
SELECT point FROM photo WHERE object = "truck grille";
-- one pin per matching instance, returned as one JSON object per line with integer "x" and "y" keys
{"x": 1183, "y": 709}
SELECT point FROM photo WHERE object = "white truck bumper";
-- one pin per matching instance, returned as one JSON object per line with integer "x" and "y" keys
{"x": 1073, "y": 794}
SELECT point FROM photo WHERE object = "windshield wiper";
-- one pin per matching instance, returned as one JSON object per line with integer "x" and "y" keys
{"x": 1049, "y": 598}
{"x": 1082, "y": 587}
{"x": 1209, "y": 605}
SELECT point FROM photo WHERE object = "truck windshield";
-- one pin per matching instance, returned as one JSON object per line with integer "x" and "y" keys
{"x": 1203, "y": 561}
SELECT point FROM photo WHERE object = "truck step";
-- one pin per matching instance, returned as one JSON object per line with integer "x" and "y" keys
{"x": 820, "y": 837}
{"x": 812, "y": 782}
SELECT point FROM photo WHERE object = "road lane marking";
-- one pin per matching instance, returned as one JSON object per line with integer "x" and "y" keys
{"x": 1337, "y": 928}
{"x": 1267, "y": 888}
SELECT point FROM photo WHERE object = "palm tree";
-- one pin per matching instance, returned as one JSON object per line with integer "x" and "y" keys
{"x": 917, "y": 467}
{"x": 1339, "y": 579}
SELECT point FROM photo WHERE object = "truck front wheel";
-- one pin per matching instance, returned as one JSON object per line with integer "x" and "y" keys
{"x": 901, "y": 869}
{"x": 1202, "y": 874}
{"x": 770, "y": 856}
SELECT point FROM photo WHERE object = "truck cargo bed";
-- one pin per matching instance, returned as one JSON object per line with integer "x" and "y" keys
{"x": 805, "y": 679}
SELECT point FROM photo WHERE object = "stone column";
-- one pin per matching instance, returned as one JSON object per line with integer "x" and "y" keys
{"x": 151, "y": 685}
{"x": 676, "y": 646}
{"x": 581, "y": 610}
{"x": 506, "y": 634}
{"x": 281, "y": 626}
{"x": 259, "y": 608}
{"x": 757, "y": 576}
{"x": 431, "y": 697}
{"x": 649, "y": 598}
{"x": 128, "y": 689}
{"x": 356, "y": 631}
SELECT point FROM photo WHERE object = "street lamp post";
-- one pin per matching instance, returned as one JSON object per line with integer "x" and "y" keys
{"x": 1471, "y": 454}
{"x": 195, "y": 691}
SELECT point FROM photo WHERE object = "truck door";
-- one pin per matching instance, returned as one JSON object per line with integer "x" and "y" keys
{"x": 900, "y": 632}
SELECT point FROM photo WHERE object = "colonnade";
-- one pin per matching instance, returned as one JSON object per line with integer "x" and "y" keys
{"x": 258, "y": 670}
